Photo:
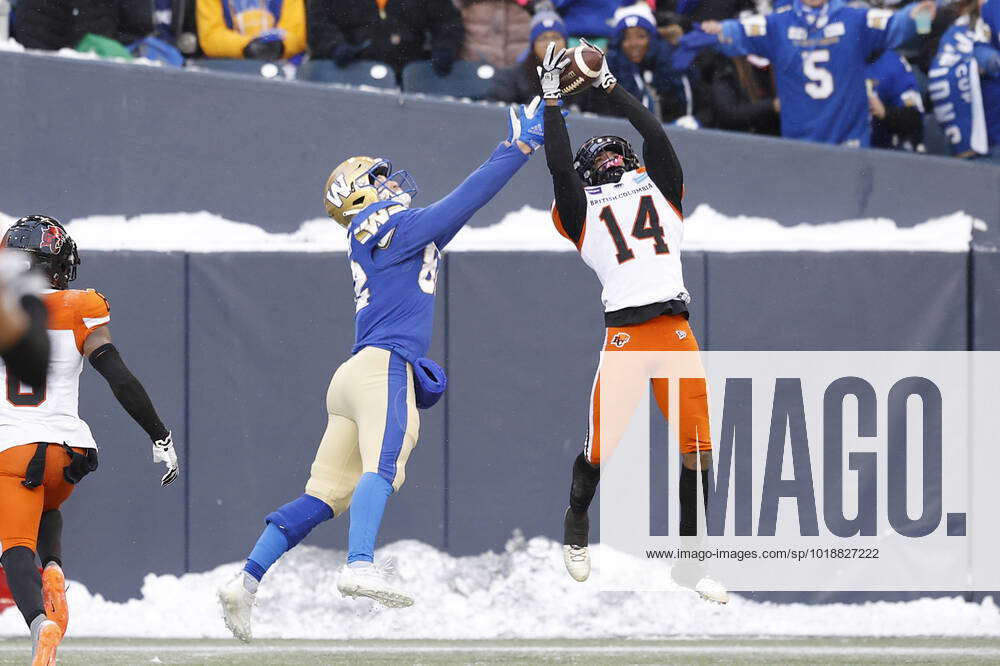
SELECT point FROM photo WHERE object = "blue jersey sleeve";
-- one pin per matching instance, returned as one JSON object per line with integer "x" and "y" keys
{"x": 439, "y": 222}
{"x": 885, "y": 30}
{"x": 745, "y": 36}
{"x": 990, "y": 13}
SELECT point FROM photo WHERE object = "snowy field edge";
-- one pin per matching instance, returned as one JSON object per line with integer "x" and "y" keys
{"x": 520, "y": 593}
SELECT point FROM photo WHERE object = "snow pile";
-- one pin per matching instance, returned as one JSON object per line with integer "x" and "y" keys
{"x": 523, "y": 592}
{"x": 528, "y": 229}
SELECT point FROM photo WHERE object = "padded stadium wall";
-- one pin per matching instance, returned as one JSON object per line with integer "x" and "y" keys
{"x": 237, "y": 348}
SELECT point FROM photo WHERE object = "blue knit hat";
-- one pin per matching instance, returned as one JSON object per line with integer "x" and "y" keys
{"x": 638, "y": 15}
{"x": 545, "y": 21}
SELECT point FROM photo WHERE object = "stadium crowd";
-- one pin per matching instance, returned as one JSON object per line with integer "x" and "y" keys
{"x": 878, "y": 72}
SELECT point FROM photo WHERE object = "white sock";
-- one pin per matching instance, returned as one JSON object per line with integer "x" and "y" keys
{"x": 360, "y": 564}
{"x": 250, "y": 583}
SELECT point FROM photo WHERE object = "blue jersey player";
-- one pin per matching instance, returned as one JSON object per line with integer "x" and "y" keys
{"x": 818, "y": 50}
{"x": 373, "y": 397}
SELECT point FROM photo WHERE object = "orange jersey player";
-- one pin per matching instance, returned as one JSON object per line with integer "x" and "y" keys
{"x": 45, "y": 447}
{"x": 626, "y": 221}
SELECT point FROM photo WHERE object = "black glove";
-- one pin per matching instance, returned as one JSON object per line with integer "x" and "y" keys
{"x": 344, "y": 53}
{"x": 264, "y": 49}
{"x": 442, "y": 60}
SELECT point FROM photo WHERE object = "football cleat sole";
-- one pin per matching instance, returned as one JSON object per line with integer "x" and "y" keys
{"x": 49, "y": 638}
{"x": 54, "y": 596}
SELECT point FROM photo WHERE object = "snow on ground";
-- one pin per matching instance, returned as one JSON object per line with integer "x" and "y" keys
{"x": 523, "y": 592}
{"x": 527, "y": 229}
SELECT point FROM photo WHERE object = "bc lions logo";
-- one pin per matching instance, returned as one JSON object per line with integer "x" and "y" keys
{"x": 52, "y": 240}
{"x": 620, "y": 339}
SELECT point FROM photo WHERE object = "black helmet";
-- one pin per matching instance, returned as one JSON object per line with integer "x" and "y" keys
{"x": 590, "y": 174}
{"x": 50, "y": 247}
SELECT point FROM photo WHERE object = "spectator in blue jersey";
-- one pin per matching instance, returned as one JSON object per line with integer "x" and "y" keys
{"x": 896, "y": 105}
{"x": 819, "y": 49}
{"x": 643, "y": 64}
{"x": 987, "y": 52}
{"x": 963, "y": 85}
{"x": 587, "y": 18}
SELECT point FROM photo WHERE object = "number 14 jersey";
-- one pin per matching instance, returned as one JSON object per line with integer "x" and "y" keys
{"x": 632, "y": 240}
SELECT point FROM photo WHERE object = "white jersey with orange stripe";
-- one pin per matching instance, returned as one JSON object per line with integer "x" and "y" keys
{"x": 632, "y": 240}
{"x": 50, "y": 412}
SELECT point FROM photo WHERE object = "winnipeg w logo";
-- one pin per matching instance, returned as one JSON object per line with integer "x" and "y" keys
{"x": 620, "y": 339}
{"x": 338, "y": 190}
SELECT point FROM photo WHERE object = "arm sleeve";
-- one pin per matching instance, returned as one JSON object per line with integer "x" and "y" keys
{"x": 293, "y": 22}
{"x": 888, "y": 30}
{"x": 323, "y": 31}
{"x": 657, "y": 151}
{"x": 570, "y": 208}
{"x": 218, "y": 40}
{"x": 440, "y": 221}
{"x": 28, "y": 360}
{"x": 128, "y": 391}
{"x": 741, "y": 37}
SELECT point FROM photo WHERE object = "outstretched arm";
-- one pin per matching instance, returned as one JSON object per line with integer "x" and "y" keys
{"x": 132, "y": 396}
{"x": 570, "y": 212}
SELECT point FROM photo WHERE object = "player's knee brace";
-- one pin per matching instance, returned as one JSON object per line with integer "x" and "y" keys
{"x": 297, "y": 518}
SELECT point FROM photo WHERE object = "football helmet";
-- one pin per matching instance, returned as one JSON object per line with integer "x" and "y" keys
{"x": 51, "y": 249}
{"x": 610, "y": 171}
{"x": 360, "y": 181}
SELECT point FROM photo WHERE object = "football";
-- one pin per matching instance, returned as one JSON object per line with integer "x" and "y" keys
{"x": 583, "y": 68}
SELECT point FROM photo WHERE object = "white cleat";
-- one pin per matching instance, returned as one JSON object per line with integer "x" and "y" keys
{"x": 370, "y": 581}
{"x": 712, "y": 590}
{"x": 577, "y": 560}
{"x": 237, "y": 602}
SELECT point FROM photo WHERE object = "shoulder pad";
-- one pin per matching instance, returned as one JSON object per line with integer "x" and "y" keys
{"x": 754, "y": 26}
{"x": 878, "y": 19}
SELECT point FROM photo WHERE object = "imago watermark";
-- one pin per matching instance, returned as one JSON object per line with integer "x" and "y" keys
{"x": 828, "y": 470}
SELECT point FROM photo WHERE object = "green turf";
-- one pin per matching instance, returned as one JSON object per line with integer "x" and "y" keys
{"x": 687, "y": 651}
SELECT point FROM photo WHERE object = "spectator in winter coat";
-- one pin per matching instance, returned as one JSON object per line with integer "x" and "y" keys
{"x": 740, "y": 95}
{"x": 392, "y": 32}
{"x": 56, "y": 24}
{"x": 242, "y": 29}
{"x": 643, "y": 64}
{"x": 496, "y": 31}
{"x": 520, "y": 83}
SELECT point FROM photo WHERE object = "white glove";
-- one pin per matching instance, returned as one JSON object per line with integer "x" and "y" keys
{"x": 550, "y": 71}
{"x": 605, "y": 79}
{"x": 163, "y": 452}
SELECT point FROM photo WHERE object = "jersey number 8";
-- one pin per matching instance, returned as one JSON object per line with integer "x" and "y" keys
{"x": 19, "y": 398}
{"x": 426, "y": 278}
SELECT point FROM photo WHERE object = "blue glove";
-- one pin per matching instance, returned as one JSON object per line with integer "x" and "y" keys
{"x": 527, "y": 124}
